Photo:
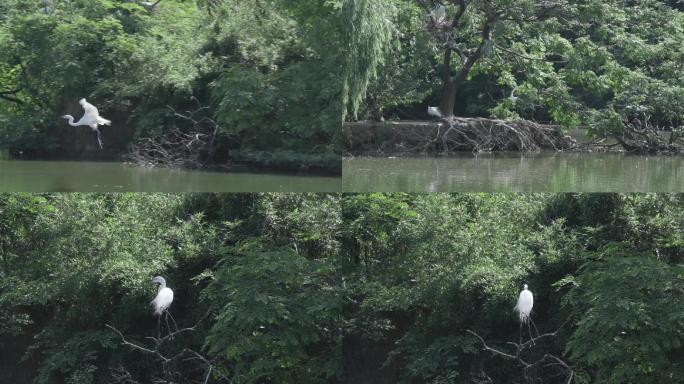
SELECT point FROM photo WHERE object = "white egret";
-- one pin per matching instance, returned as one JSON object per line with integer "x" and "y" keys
{"x": 162, "y": 302}
{"x": 434, "y": 111}
{"x": 438, "y": 14}
{"x": 524, "y": 309}
{"x": 91, "y": 117}
{"x": 47, "y": 7}
{"x": 513, "y": 97}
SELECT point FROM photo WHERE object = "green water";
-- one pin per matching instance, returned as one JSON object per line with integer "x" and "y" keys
{"x": 64, "y": 176}
{"x": 545, "y": 172}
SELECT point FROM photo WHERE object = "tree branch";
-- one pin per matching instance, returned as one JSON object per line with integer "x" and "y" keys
{"x": 521, "y": 347}
{"x": 165, "y": 359}
{"x": 5, "y": 95}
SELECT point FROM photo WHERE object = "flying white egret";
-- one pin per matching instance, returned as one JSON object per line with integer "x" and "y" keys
{"x": 162, "y": 302}
{"x": 91, "y": 117}
{"x": 524, "y": 309}
{"x": 434, "y": 111}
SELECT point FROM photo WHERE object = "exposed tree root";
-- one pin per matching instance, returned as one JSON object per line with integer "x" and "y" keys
{"x": 641, "y": 137}
{"x": 455, "y": 134}
{"x": 192, "y": 149}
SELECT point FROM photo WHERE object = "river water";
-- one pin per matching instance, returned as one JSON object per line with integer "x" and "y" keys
{"x": 65, "y": 176}
{"x": 543, "y": 172}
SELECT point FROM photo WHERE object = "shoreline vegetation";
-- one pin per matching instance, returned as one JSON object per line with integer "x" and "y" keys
{"x": 513, "y": 76}
{"x": 468, "y": 134}
{"x": 186, "y": 84}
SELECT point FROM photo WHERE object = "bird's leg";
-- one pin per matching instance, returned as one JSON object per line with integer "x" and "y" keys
{"x": 535, "y": 327}
{"x": 159, "y": 327}
{"x": 168, "y": 328}
{"x": 529, "y": 330}
{"x": 520, "y": 332}
{"x": 166, "y": 318}
{"x": 173, "y": 320}
{"x": 99, "y": 140}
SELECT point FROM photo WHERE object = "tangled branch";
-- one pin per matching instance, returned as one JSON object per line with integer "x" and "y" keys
{"x": 179, "y": 149}
{"x": 457, "y": 134}
{"x": 643, "y": 137}
{"x": 155, "y": 350}
{"x": 530, "y": 366}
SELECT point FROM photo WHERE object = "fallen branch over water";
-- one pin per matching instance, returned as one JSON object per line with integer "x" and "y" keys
{"x": 456, "y": 134}
{"x": 194, "y": 148}
{"x": 640, "y": 136}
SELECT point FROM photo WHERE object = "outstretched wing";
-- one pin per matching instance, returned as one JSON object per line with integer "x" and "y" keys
{"x": 90, "y": 111}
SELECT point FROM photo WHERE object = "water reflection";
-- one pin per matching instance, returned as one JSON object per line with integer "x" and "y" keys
{"x": 65, "y": 176}
{"x": 557, "y": 172}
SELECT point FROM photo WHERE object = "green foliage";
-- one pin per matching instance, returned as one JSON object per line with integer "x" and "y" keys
{"x": 600, "y": 64}
{"x": 75, "y": 262}
{"x": 277, "y": 88}
{"x": 421, "y": 269}
{"x": 276, "y": 316}
{"x": 633, "y": 316}
{"x": 367, "y": 35}
{"x": 326, "y": 288}
{"x": 268, "y": 72}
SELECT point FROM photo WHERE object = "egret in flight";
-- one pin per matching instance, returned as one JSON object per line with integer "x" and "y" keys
{"x": 434, "y": 111}
{"x": 162, "y": 302}
{"x": 91, "y": 117}
{"x": 524, "y": 309}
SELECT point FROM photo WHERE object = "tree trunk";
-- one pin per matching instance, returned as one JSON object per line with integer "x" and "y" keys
{"x": 448, "y": 101}
{"x": 453, "y": 83}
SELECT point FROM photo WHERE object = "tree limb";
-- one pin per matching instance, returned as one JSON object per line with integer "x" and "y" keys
{"x": 546, "y": 360}
{"x": 166, "y": 359}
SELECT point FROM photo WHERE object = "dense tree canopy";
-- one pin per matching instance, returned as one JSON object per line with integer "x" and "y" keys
{"x": 342, "y": 288}
{"x": 269, "y": 71}
{"x": 600, "y": 64}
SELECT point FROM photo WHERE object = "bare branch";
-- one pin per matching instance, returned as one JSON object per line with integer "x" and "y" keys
{"x": 166, "y": 360}
{"x": 548, "y": 360}
{"x": 180, "y": 149}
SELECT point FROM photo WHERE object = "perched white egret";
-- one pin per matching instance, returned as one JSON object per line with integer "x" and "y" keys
{"x": 164, "y": 296}
{"x": 434, "y": 111}
{"x": 524, "y": 309}
{"x": 91, "y": 117}
{"x": 47, "y": 7}
{"x": 513, "y": 97}
{"x": 525, "y": 303}
{"x": 438, "y": 14}
{"x": 162, "y": 302}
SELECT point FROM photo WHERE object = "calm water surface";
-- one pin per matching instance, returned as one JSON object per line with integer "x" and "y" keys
{"x": 64, "y": 176}
{"x": 553, "y": 172}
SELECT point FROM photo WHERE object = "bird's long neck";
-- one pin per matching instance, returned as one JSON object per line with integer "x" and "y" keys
{"x": 71, "y": 121}
{"x": 162, "y": 285}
